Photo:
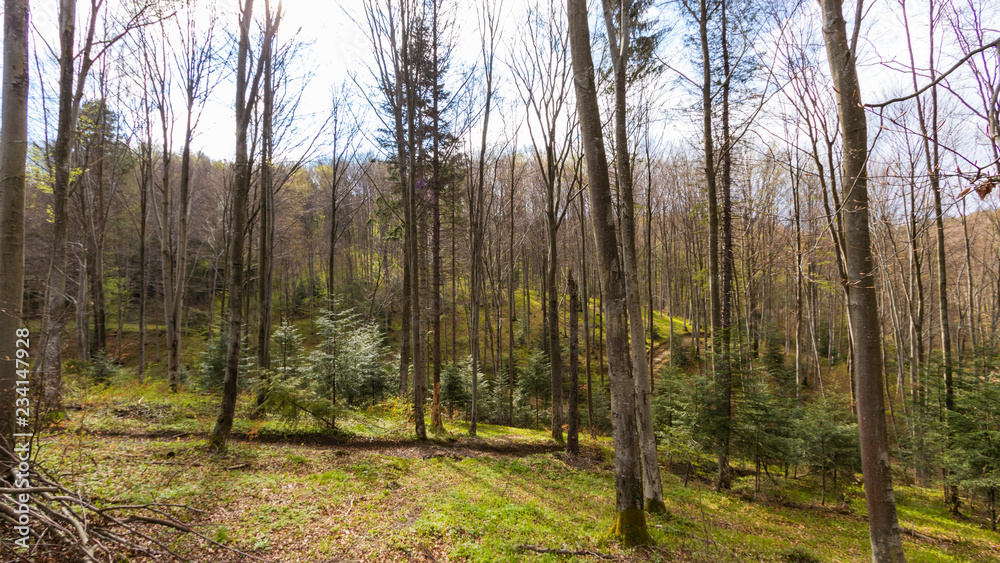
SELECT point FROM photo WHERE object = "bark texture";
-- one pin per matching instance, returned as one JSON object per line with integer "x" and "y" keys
{"x": 13, "y": 156}
{"x": 883, "y": 525}
{"x": 241, "y": 190}
{"x": 652, "y": 485}
{"x": 630, "y": 525}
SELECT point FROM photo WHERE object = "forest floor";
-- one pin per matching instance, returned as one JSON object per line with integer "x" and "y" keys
{"x": 293, "y": 492}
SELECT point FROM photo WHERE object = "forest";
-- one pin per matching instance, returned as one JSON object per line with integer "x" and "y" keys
{"x": 518, "y": 280}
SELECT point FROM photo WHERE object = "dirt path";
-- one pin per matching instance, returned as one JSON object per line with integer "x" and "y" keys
{"x": 661, "y": 355}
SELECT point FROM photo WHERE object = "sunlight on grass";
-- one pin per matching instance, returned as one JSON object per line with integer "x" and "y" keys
{"x": 396, "y": 499}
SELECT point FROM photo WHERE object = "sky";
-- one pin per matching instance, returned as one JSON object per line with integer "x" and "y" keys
{"x": 337, "y": 47}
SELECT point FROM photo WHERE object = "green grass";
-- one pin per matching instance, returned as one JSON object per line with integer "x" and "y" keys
{"x": 395, "y": 499}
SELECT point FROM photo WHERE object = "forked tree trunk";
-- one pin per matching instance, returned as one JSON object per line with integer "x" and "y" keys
{"x": 241, "y": 190}
{"x": 883, "y": 525}
{"x": 49, "y": 363}
{"x": 652, "y": 486}
{"x": 630, "y": 521}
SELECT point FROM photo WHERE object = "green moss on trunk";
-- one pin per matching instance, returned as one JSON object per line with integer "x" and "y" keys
{"x": 630, "y": 528}
{"x": 654, "y": 506}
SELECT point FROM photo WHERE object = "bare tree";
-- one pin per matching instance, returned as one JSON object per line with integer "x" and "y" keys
{"x": 619, "y": 43}
{"x": 193, "y": 64}
{"x": 630, "y": 522}
{"x": 247, "y": 89}
{"x": 390, "y": 27}
{"x": 883, "y": 526}
{"x": 72, "y": 80}
{"x": 542, "y": 74}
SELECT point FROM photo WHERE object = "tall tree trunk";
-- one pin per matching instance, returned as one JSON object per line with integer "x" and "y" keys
{"x": 404, "y": 341}
{"x": 265, "y": 259}
{"x": 630, "y": 521}
{"x": 552, "y": 303}
{"x": 476, "y": 210}
{"x": 573, "y": 432}
{"x": 652, "y": 486}
{"x": 511, "y": 289}
{"x": 796, "y": 210}
{"x": 407, "y": 74}
{"x": 929, "y": 139}
{"x": 723, "y": 353}
{"x": 241, "y": 190}
{"x": 13, "y": 158}
{"x": 95, "y": 260}
{"x": 436, "y": 421}
{"x": 586, "y": 316}
{"x": 144, "y": 184}
{"x": 883, "y": 526}
{"x": 49, "y": 364}
{"x": 82, "y": 311}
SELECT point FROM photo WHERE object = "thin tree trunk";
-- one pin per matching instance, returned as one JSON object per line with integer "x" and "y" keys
{"x": 572, "y": 432}
{"x": 586, "y": 315}
{"x": 82, "y": 311}
{"x": 723, "y": 353}
{"x": 409, "y": 187}
{"x": 265, "y": 259}
{"x": 511, "y": 289}
{"x": 552, "y": 321}
{"x": 436, "y": 421}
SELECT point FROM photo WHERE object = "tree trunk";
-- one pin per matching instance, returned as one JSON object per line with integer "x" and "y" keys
{"x": 82, "y": 311}
{"x": 265, "y": 260}
{"x": 241, "y": 190}
{"x": 49, "y": 363}
{"x": 409, "y": 187}
{"x": 722, "y": 347}
{"x": 586, "y": 315}
{"x": 652, "y": 486}
{"x": 932, "y": 159}
{"x": 552, "y": 321}
{"x": 404, "y": 341}
{"x": 144, "y": 183}
{"x": 883, "y": 525}
{"x": 572, "y": 433}
{"x": 95, "y": 234}
{"x": 511, "y": 289}
{"x": 13, "y": 157}
{"x": 630, "y": 522}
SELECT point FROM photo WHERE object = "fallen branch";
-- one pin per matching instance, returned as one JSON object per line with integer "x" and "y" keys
{"x": 15, "y": 490}
{"x": 915, "y": 534}
{"x": 66, "y": 520}
{"x": 427, "y": 552}
{"x": 587, "y": 552}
